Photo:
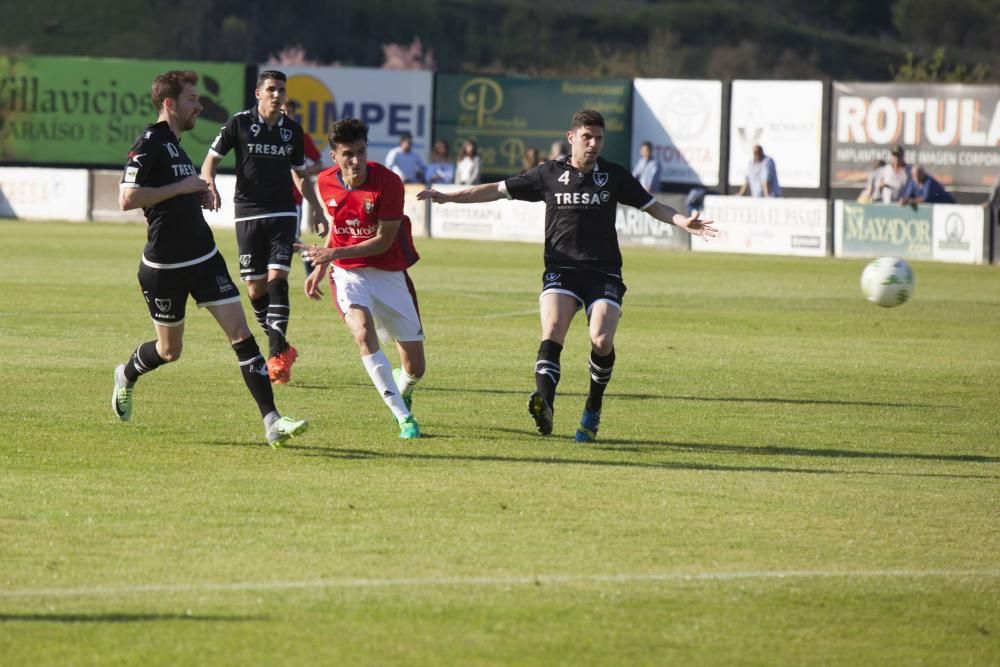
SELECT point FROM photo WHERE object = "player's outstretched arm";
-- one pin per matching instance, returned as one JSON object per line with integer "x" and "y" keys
{"x": 692, "y": 224}
{"x": 477, "y": 194}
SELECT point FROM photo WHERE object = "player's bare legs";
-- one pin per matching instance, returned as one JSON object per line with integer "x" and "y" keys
{"x": 254, "y": 369}
{"x": 270, "y": 301}
{"x": 604, "y": 318}
{"x": 361, "y": 324}
{"x": 556, "y": 312}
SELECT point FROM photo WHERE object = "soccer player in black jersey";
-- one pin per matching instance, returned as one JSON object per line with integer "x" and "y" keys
{"x": 269, "y": 149}
{"x": 180, "y": 257}
{"x": 582, "y": 259}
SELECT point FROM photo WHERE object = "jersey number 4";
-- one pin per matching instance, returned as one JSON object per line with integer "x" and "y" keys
{"x": 564, "y": 178}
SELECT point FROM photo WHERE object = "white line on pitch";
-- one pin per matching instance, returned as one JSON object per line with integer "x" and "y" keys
{"x": 542, "y": 579}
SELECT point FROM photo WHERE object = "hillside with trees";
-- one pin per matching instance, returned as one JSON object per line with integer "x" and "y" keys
{"x": 865, "y": 40}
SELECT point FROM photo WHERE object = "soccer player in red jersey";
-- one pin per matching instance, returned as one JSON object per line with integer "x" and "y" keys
{"x": 371, "y": 246}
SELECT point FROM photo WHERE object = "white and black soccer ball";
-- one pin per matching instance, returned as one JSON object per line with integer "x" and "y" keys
{"x": 888, "y": 282}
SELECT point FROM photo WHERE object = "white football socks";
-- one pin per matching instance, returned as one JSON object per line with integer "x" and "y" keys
{"x": 406, "y": 382}
{"x": 380, "y": 371}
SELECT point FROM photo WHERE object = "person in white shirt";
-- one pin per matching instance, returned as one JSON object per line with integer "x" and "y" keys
{"x": 406, "y": 163}
{"x": 467, "y": 169}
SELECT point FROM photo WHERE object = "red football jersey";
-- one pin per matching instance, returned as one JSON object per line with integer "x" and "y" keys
{"x": 356, "y": 214}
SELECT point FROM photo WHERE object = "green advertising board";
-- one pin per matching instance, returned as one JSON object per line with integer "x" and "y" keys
{"x": 89, "y": 111}
{"x": 505, "y": 116}
{"x": 887, "y": 230}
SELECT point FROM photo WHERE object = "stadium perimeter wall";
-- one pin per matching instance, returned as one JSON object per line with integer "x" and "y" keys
{"x": 807, "y": 227}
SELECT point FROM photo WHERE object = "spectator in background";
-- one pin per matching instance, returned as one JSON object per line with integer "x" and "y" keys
{"x": 440, "y": 169}
{"x": 531, "y": 159}
{"x": 467, "y": 169}
{"x": 647, "y": 168}
{"x": 406, "y": 163}
{"x": 893, "y": 178}
{"x": 871, "y": 184}
{"x": 924, "y": 189}
{"x": 762, "y": 176}
{"x": 993, "y": 203}
{"x": 558, "y": 151}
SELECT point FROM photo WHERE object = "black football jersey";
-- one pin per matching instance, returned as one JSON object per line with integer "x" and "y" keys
{"x": 580, "y": 210}
{"x": 264, "y": 157}
{"x": 177, "y": 232}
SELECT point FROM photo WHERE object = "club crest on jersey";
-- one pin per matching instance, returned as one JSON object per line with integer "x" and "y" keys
{"x": 162, "y": 304}
{"x": 244, "y": 261}
{"x": 600, "y": 178}
{"x": 286, "y": 134}
{"x": 369, "y": 205}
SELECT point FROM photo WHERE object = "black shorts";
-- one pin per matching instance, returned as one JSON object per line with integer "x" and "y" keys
{"x": 166, "y": 290}
{"x": 587, "y": 287}
{"x": 265, "y": 243}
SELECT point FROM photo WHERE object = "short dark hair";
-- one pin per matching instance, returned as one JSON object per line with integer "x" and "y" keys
{"x": 170, "y": 84}
{"x": 647, "y": 144}
{"x": 347, "y": 131}
{"x": 587, "y": 117}
{"x": 270, "y": 74}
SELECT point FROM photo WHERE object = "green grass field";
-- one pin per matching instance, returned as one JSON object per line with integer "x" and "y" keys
{"x": 785, "y": 475}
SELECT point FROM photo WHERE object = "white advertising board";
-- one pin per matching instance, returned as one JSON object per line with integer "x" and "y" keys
{"x": 503, "y": 220}
{"x": 44, "y": 194}
{"x": 786, "y": 119}
{"x": 683, "y": 121}
{"x": 940, "y": 232}
{"x": 959, "y": 234}
{"x": 767, "y": 226}
{"x": 391, "y": 102}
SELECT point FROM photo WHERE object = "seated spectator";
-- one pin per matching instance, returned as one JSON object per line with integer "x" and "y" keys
{"x": 893, "y": 177}
{"x": 870, "y": 192}
{"x": 467, "y": 169}
{"x": 762, "y": 176}
{"x": 924, "y": 189}
{"x": 440, "y": 169}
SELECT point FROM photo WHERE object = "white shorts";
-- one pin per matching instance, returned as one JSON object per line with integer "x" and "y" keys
{"x": 388, "y": 295}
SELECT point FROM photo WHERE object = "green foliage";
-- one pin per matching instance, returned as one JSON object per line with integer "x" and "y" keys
{"x": 853, "y": 40}
{"x": 785, "y": 475}
{"x": 936, "y": 69}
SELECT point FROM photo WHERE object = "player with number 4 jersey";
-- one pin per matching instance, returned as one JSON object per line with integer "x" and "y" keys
{"x": 582, "y": 259}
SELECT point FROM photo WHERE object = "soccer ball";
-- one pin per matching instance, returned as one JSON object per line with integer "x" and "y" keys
{"x": 887, "y": 281}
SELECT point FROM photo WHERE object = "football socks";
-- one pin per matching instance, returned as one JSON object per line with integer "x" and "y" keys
{"x": 144, "y": 359}
{"x": 277, "y": 315}
{"x": 547, "y": 370}
{"x": 254, "y": 370}
{"x": 380, "y": 371}
{"x": 600, "y": 376}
